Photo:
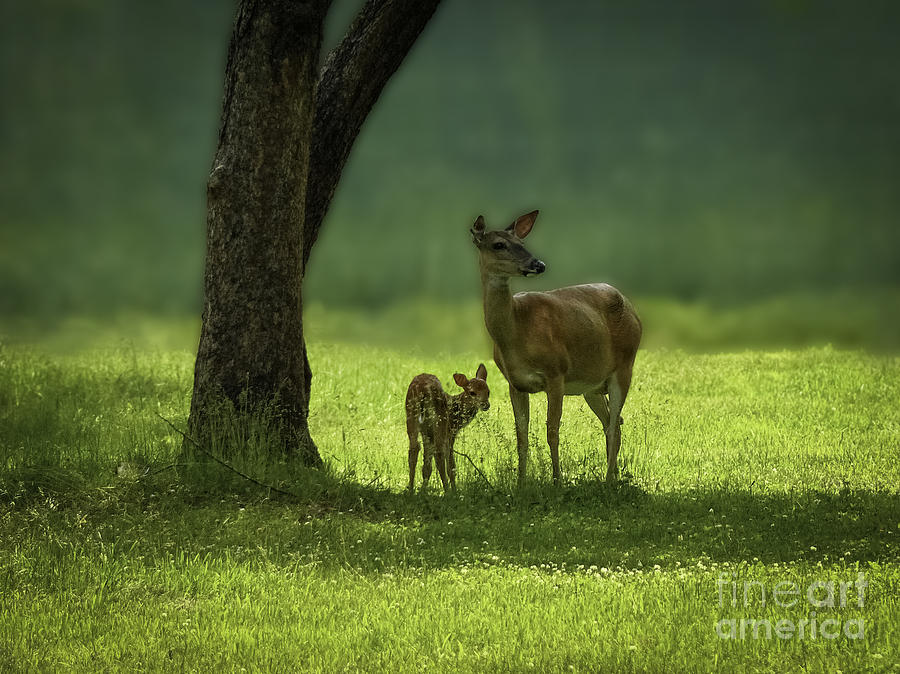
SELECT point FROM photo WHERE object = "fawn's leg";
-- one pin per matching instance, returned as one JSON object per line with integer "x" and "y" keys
{"x": 519, "y": 400}
{"x": 440, "y": 458}
{"x": 412, "y": 430}
{"x": 451, "y": 467}
{"x": 554, "y": 416}
{"x": 441, "y": 441}
{"x": 426, "y": 461}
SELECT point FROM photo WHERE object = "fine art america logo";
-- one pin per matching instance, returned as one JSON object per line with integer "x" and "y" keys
{"x": 825, "y": 600}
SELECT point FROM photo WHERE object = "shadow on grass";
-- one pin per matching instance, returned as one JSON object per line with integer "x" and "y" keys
{"x": 624, "y": 525}
{"x": 340, "y": 523}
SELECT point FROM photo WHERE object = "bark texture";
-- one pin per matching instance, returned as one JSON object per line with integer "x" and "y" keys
{"x": 285, "y": 136}
{"x": 252, "y": 325}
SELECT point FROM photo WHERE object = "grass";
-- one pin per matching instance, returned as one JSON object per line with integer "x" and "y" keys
{"x": 760, "y": 466}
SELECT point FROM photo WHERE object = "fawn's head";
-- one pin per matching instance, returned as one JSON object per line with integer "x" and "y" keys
{"x": 475, "y": 391}
{"x": 501, "y": 251}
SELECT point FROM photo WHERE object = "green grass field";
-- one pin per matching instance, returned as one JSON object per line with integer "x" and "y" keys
{"x": 760, "y": 467}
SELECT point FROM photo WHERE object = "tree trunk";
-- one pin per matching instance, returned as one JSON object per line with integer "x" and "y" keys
{"x": 251, "y": 350}
{"x": 282, "y": 147}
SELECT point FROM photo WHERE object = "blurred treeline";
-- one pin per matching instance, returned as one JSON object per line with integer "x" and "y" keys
{"x": 701, "y": 150}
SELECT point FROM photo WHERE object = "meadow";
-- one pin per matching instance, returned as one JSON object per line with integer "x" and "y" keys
{"x": 743, "y": 470}
{"x": 731, "y": 166}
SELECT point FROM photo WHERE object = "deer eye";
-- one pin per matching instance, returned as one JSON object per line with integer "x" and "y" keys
{"x": 471, "y": 393}
{"x": 500, "y": 245}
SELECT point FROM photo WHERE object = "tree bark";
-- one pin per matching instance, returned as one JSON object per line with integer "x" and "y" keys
{"x": 282, "y": 147}
{"x": 250, "y": 352}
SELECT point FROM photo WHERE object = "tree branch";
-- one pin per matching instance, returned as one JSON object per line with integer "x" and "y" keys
{"x": 351, "y": 80}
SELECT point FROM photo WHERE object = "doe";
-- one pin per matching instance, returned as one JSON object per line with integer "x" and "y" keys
{"x": 577, "y": 340}
{"x": 439, "y": 418}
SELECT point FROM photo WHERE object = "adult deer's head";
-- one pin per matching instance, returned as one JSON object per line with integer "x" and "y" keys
{"x": 501, "y": 251}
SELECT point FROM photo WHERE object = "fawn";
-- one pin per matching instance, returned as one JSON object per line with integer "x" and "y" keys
{"x": 439, "y": 418}
{"x": 577, "y": 340}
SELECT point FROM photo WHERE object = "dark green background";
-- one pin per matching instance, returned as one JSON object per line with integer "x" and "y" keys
{"x": 727, "y": 152}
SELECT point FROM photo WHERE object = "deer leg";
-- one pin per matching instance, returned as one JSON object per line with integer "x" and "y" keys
{"x": 441, "y": 460}
{"x": 412, "y": 429}
{"x": 597, "y": 403}
{"x": 441, "y": 440}
{"x": 426, "y": 462}
{"x": 519, "y": 401}
{"x": 413, "y": 461}
{"x": 451, "y": 467}
{"x": 618, "y": 389}
{"x": 554, "y": 416}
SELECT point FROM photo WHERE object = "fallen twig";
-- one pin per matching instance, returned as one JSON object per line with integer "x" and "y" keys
{"x": 222, "y": 463}
{"x": 477, "y": 469}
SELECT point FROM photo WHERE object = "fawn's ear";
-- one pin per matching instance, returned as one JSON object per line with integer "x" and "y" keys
{"x": 478, "y": 229}
{"x": 460, "y": 379}
{"x": 481, "y": 373}
{"x": 523, "y": 224}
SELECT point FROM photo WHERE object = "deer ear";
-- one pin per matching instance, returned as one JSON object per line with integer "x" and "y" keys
{"x": 523, "y": 224}
{"x": 481, "y": 373}
{"x": 478, "y": 229}
{"x": 460, "y": 379}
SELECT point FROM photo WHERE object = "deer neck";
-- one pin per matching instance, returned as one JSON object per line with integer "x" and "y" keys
{"x": 460, "y": 415}
{"x": 498, "y": 309}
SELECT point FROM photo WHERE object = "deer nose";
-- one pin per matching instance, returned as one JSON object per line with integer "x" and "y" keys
{"x": 539, "y": 267}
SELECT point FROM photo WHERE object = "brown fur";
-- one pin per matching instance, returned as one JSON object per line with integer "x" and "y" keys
{"x": 577, "y": 340}
{"x": 438, "y": 418}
